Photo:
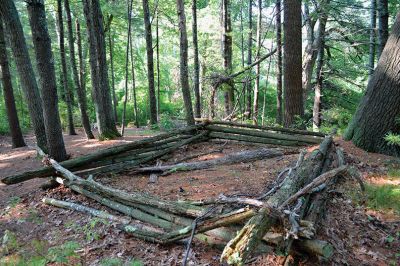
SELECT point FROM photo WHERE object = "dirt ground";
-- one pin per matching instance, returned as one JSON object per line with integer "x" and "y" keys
{"x": 359, "y": 235}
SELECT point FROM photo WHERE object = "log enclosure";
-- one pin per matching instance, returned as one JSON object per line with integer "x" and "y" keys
{"x": 283, "y": 219}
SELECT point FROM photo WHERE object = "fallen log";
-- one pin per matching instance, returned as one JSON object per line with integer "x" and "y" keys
{"x": 239, "y": 157}
{"x": 89, "y": 158}
{"x": 238, "y": 250}
{"x": 277, "y": 129}
{"x": 302, "y": 139}
{"x": 252, "y": 139}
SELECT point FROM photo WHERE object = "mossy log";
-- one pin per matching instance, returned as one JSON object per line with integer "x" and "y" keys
{"x": 302, "y": 139}
{"x": 98, "y": 155}
{"x": 252, "y": 139}
{"x": 238, "y": 250}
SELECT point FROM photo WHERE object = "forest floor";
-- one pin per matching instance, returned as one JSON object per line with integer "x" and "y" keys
{"x": 362, "y": 231}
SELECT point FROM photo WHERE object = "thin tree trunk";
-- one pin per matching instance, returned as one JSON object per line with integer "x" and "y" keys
{"x": 150, "y": 62}
{"x": 227, "y": 54}
{"x": 99, "y": 72}
{"x": 158, "y": 65}
{"x": 114, "y": 97}
{"x": 47, "y": 77}
{"x": 278, "y": 22}
{"x": 383, "y": 24}
{"x": 184, "y": 71}
{"x": 128, "y": 43}
{"x": 372, "y": 38}
{"x": 68, "y": 92}
{"x": 249, "y": 59}
{"x": 377, "y": 112}
{"x": 241, "y": 33}
{"x": 196, "y": 81}
{"x": 25, "y": 71}
{"x": 81, "y": 92}
{"x": 257, "y": 85}
{"x": 9, "y": 100}
{"x": 292, "y": 74}
{"x": 318, "y": 89}
{"x": 135, "y": 108}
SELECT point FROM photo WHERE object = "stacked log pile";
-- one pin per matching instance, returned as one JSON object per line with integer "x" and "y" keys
{"x": 283, "y": 218}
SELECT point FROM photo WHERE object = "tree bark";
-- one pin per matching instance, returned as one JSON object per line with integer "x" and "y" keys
{"x": 67, "y": 90}
{"x": 114, "y": 97}
{"x": 379, "y": 109}
{"x": 99, "y": 72}
{"x": 79, "y": 90}
{"x": 227, "y": 54}
{"x": 9, "y": 100}
{"x": 150, "y": 62}
{"x": 25, "y": 71}
{"x": 278, "y": 22}
{"x": 46, "y": 71}
{"x": 158, "y": 63}
{"x": 257, "y": 84}
{"x": 372, "y": 37}
{"x": 249, "y": 59}
{"x": 383, "y": 24}
{"x": 292, "y": 73}
{"x": 196, "y": 63}
{"x": 135, "y": 107}
{"x": 184, "y": 71}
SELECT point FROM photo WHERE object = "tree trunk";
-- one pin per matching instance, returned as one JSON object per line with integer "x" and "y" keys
{"x": 114, "y": 97}
{"x": 80, "y": 92}
{"x": 372, "y": 33}
{"x": 257, "y": 85}
{"x": 379, "y": 109}
{"x": 9, "y": 100}
{"x": 292, "y": 74}
{"x": 47, "y": 78}
{"x": 158, "y": 63}
{"x": 128, "y": 43}
{"x": 25, "y": 71}
{"x": 135, "y": 108}
{"x": 196, "y": 81}
{"x": 383, "y": 24}
{"x": 278, "y": 22}
{"x": 150, "y": 62}
{"x": 249, "y": 59}
{"x": 227, "y": 54}
{"x": 68, "y": 92}
{"x": 184, "y": 71}
{"x": 99, "y": 72}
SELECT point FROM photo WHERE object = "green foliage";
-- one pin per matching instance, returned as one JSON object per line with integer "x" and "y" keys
{"x": 14, "y": 201}
{"x": 63, "y": 253}
{"x": 393, "y": 139}
{"x": 119, "y": 262}
{"x": 383, "y": 197}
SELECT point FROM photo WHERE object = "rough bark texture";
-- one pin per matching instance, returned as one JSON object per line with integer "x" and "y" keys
{"x": 227, "y": 53}
{"x": 249, "y": 59}
{"x": 79, "y": 90}
{"x": 257, "y": 84}
{"x": 150, "y": 62}
{"x": 379, "y": 109}
{"x": 114, "y": 97}
{"x": 278, "y": 22}
{"x": 184, "y": 69}
{"x": 372, "y": 37}
{"x": 67, "y": 90}
{"x": 383, "y": 24}
{"x": 135, "y": 107}
{"x": 292, "y": 74}
{"x": 196, "y": 63}
{"x": 310, "y": 52}
{"x": 47, "y": 79}
{"x": 99, "y": 72}
{"x": 9, "y": 100}
{"x": 15, "y": 32}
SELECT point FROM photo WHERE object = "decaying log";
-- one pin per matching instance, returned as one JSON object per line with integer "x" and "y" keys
{"x": 252, "y": 139}
{"x": 101, "y": 154}
{"x": 239, "y": 157}
{"x": 301, "y": 139}
{"x": 239, "y": 248}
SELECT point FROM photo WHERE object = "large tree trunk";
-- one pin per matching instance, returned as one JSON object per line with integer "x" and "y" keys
{"x": 197, "y": 109}
{"x": 114, "y": 97}
{"x": 184, "y": 70}
{"x": 46, "y": 71}
{"x": 227, "y": 54}
{"x": 150, "y": 62}
{"x": 99, "y": 72}
{"x": 292, "y": 74}
{"x": 278, "y": 22}
{"x": 372, "y": 34}
{"x": 379, "y": 109}
{"x": 158, "y": 62}
{"x": 9, "y": 100}
{"x": 25, "y": 71}
{"x": 249, "y": 59}
{"x": 257, "y": 85}
{"x": 67, "y": 90}
{"x": 80, "y": 92}
{"x": 383, "y": 24}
